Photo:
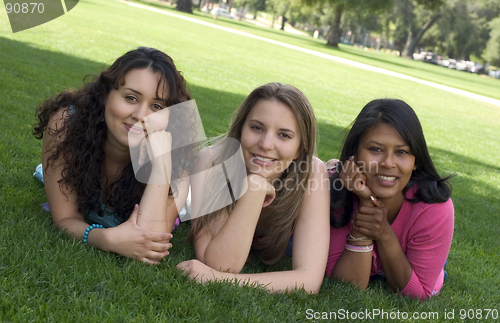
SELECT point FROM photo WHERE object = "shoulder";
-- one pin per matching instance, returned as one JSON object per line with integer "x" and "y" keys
{"x": 58, "y": 118}
{"x": 444, "y": 207}
{"x": 317, "y": 167}
{"x": 319, "y": 183}
{"x": 318, "y": 176}
{"x": 57, "y": 126}
{"x": 205, "y": 158}
{"x": 428, "y": 219}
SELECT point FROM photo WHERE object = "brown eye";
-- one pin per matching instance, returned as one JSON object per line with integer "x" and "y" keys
{"x": 157, "y": 106}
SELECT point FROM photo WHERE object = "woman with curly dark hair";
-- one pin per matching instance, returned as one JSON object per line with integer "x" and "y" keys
{"x": 89, "y": 175}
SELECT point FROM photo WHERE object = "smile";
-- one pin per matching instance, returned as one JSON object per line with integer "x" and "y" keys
{"x": 264, "y": 159}
{"x": 387, "y": 178}
{"x": 134, "y": 130}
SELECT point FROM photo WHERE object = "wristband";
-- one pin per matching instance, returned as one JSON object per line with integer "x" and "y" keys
{"x": 359, "y": 248}
{"x": 90, "y": 228}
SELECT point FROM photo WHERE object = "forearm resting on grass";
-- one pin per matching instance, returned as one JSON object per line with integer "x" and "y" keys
{"x": 228, "y": 249}
{"x": 279, "y": 282}
{"x": 355, "y": 267}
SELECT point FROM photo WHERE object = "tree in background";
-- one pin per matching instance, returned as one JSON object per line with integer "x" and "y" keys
{"x": 463, "y": 30}
{"x": 492, "y": 51}
{"x": 337, "y": 9}
{"x": 185, "y": 6}
{"x": 419, "y": 16}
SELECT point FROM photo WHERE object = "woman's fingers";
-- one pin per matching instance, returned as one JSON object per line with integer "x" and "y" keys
{"x": 270, "y": 195}
{"x": 160, "y": 247}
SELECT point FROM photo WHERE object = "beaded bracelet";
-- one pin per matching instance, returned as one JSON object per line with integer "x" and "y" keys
{"x": 90, "y": 228}
{"x": 359, "y": 248}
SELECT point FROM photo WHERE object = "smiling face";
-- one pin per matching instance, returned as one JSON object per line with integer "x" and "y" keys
{"x": 132, "y": 102}
{"x": 387, "y": 162}
{"x": 270, "y": 138}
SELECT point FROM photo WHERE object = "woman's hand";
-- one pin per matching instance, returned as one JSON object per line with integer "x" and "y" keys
{"x": 354, "y": 180}
{"x": 197, "y": 270}
{"x": 371, "y": 221}
{"x": 129, "y": 240}
{"x": 257, "y": 182}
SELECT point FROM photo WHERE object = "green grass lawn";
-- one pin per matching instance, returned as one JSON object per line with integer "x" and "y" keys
{"x": 45, "y": 276}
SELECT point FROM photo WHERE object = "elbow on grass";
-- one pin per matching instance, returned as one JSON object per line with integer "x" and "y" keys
{"x": 232, "y": 268}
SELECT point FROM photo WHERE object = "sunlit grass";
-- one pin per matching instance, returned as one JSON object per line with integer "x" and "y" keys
{"x": 45, "y": 276}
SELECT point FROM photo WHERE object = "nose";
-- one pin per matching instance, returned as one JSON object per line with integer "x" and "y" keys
{"x": 141, "y": 112}
{"x": 388, "y": 161}
{"x": 266, "y": 141}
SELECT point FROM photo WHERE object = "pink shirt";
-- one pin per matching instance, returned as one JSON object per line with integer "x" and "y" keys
{"x": 424, "y": 231}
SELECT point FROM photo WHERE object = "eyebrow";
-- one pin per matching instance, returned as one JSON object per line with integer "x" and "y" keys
{"x": 139, "y": 93}
{"x": 380, "y": 144}
{"x": 281, "y": 129}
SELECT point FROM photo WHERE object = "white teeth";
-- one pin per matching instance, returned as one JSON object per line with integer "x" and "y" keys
{"x": 387, "y": 178}
{"x": 263, "y": 159}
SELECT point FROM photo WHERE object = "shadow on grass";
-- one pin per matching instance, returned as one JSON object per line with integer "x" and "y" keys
{"x": 475, "y": 200}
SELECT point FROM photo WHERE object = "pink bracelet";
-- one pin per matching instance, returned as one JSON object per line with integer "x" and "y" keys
{"x": 359, "y": 248}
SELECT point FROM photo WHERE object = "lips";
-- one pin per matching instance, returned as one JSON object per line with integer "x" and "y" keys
{"x": 261, "y": 160}
{"x": 133, "y": 129}
{"x": 385, "y": 180}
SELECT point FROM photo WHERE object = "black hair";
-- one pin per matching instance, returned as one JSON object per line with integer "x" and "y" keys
{"x": 433, "y": 188}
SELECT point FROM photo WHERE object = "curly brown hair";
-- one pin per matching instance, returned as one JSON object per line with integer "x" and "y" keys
{"x": 84, "y": 133}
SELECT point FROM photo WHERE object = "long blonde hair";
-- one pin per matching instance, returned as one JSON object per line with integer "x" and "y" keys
{"x": 285, "y": 208}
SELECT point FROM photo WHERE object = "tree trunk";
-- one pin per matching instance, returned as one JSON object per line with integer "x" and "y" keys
{"x": 407, "y": 52}
{"x": 185, "y": 6}
{"x": 333, "y": 35}
{"x": 415, "y": 36}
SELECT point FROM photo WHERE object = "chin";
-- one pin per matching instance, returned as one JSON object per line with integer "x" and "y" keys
{"x": 384, "y": 194}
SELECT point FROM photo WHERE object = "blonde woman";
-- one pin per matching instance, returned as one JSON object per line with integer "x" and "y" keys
{"x": 286, "y": 195}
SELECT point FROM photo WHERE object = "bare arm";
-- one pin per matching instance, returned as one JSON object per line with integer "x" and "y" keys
{"x": 127, "y": 239}
{"x": 228, "y": 249}
{"x": 159, "y": 209}
{"x": 310, "y": 246}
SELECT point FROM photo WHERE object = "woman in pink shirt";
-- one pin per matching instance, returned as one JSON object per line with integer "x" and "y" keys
{"x": 391, "y": 212}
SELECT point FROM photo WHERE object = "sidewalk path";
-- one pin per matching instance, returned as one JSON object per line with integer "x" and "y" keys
{"x": 326, "y": 56}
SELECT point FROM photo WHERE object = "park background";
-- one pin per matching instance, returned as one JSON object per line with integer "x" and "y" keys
{"x": 45, "y": 276}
